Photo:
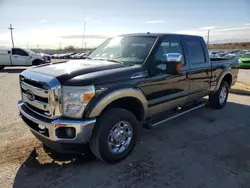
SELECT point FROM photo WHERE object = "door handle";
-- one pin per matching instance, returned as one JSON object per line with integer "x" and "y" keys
{"x": 16, "y": 56}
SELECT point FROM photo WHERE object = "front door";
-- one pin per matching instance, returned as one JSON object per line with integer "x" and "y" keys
{"x": 167, "y": 91}
{"x": 19, "y": 57}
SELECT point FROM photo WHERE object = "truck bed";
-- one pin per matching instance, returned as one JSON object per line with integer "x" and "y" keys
{"x": 223, "y": 61}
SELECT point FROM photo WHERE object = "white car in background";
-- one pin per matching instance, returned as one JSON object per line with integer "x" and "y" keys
{"x": 46, "y": 57}
{"x": 19, "y": 57}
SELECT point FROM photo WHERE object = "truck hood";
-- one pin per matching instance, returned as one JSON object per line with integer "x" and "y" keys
{"x": 65, "y": 71}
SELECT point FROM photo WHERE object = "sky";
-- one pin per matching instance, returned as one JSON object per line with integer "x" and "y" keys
{"x": 55, "y": 23}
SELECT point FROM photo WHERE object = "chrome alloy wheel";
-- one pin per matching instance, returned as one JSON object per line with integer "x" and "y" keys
{"x": 223, "y": 95}
{"x": 120, "y": 137}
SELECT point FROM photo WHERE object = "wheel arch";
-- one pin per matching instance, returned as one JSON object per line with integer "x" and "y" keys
{"x": 36, "y": 61}
{"x": 129, "y": 99}
{"x": 226, "y": 76}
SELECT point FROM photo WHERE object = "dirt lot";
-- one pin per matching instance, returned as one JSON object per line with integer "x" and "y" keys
{"x": 204, "y": 149}
{"x": 244, "y": 75}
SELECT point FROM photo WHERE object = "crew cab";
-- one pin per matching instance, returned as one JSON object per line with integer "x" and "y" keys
{"x": 127, "y": 83}
{"x": 19, "y": 57}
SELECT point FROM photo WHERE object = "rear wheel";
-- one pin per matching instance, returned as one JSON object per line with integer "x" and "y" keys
{"x": 1, "y": 67}
{"x": 219, "y": 99}
{"x": 115, "y": 135}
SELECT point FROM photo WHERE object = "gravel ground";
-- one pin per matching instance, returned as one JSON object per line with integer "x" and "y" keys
{"x": 205, "y": 148}
{"x": 244, "y": 75}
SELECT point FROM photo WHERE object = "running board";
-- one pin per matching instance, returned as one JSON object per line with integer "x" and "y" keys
{"x": 177, "y": 115}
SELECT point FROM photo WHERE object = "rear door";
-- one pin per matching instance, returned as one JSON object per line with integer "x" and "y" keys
{"x": 199, "y": 74}
{"x": 19, "y": 57}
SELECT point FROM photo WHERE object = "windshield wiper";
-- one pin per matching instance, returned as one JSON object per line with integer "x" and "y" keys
{"x": 110, "y": 60}
{"x": 115, "y": 61}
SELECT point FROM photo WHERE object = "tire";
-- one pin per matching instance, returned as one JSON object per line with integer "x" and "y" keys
{"x": 108, "y": 123}
{"x": 216, "y": 100}
{"x": 1, "y": 67}
{"x": 37, "y": 62}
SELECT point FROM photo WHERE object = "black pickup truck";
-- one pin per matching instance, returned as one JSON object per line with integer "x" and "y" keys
{"x": 127, "y": 82}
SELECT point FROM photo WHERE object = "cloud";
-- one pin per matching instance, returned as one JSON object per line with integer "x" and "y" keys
{"x": 92, "y": 19}
{"x": 44, "y": 21}
{"x": 154, "y": 21}
{"x": 86, "y": 36}
{"x": 247, "y": 23}
{"x": 233, "y": 29}
{"x": 89, "y": 17}
{"x": 96, "y": 21}
{"x": 235, "y": 34}
{"x": 207, "y": 27}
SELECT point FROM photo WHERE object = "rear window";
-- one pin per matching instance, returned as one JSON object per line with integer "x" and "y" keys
{"x": 195, "y": 52}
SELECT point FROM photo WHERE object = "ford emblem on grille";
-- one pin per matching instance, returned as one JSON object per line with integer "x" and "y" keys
{"x": 30, "y": 95}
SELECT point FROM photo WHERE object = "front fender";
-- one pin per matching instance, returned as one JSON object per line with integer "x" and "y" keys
{"x": 115, "y": 95}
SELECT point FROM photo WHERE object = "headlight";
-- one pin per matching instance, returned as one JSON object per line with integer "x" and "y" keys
{"x": 239, "y": 61}
{"x": 75, "y": 99}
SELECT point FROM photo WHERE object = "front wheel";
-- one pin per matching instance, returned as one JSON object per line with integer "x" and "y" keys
{"x": 38, "y": 62}
{"x": 219, "y": 99}
{"x": 115, "y": 135}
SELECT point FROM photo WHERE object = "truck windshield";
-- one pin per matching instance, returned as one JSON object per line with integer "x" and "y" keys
{"x": 127, "y": 49}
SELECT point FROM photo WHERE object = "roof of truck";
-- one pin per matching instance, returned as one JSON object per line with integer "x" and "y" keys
{"x": 160, "y": 34}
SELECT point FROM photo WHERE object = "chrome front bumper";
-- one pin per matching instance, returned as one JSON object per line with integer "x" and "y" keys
{"x": 83, "y": 127}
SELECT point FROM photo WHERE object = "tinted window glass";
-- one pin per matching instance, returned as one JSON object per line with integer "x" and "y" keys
{"x": 16, "y": 51}
{"x": 165, "y": 48}
{"x": 195, "y": 52}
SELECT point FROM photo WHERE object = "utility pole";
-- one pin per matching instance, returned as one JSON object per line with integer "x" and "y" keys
{"x": 208, "y": 33}
{"x": 37, "y": 46}
{"x": 83, "y": 36}
{"x": 27, "y": 46}
{"x": 11, "y": 33}
{"x": 60, "y": 45}
{"x": 85, "y": 45}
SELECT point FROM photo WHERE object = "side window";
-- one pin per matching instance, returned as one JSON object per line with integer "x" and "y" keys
{"x": 16, "y": 51}
{"x": 165, "y": 48}
{"x": 195, "y": 52}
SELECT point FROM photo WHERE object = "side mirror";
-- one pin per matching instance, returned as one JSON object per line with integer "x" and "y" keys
{"x": 173, "y": 63}
{"x": 8, "y": 51}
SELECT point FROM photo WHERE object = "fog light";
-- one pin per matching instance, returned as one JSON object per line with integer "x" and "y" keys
{"x": 66, "y": 132}
{"x": 70, "y": 132}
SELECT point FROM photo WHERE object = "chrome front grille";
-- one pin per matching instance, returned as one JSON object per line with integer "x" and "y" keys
{"x": 41, "y": 94}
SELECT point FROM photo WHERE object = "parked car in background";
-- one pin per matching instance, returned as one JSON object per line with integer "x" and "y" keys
{"x": 19, "y": 57}
{"x": 229, "y": 55}
{"x": 213, "y": 54}
{"x": 54, "y": 56}
{"x": 76, "y": 55}
{"x": 244, "y": 60}
{"x": 127, "y": 82}
{"x": 67, "y": 55}
{"x": 46, "y": 57}
{"x": 81, "y": 55}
